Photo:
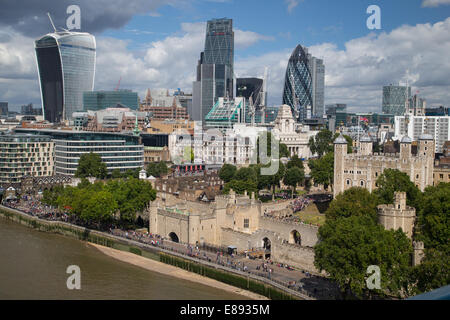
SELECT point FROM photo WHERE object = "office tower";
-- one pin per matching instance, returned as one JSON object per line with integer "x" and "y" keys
{"x": 249, "y": 87}
{"x": 66, "y": 66}
{"x": 304, "y": 84}
{"x": 394, "y": 99}
{"x": 97, "y": 100}
{"x": 3, "y": 108}
{"x": 215, "y": 67}
{"x": 318, "y": 86}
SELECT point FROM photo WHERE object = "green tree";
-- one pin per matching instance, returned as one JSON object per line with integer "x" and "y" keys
{"x": 270, "y": 152}
{"x": 99, "y": 207}
{"x": 322, "y": 143}
{"x": 322, "y": 170}
{"x": 91, "y": 165}
{"x": 162, "y": 168}
{"x": 433, "y": 272}
{"x": 266, "y": 181}
{"x": 433, "y": 225}
{"x": 353, "y": 202}
{"x": 348, "y": 246}
{"x": 295, "y": 162}
{"x": 116, "y": 174}
{"x": 284, "y": 151}
{"x": 227, "y": 172}
{"x": 240, "y": 186}
{"x": 245, "y": 174}
{"x": 293, "y": 177}
{"x": 392, "y": 180}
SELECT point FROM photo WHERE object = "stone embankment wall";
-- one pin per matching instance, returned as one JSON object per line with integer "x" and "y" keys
{"x": 119, "y": 243}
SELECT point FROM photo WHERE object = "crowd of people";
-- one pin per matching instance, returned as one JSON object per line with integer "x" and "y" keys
{"x": 300, "y": 203}
{"x": 34, "y": 207}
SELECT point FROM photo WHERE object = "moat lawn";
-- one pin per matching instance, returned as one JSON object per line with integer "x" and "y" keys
{"x": 311, "y": 215}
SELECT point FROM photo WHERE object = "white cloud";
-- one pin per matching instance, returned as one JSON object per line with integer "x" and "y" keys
{"x": 291, "y": 4}
{"x": 355, "y": 73}
{"x": 434, "y": 3}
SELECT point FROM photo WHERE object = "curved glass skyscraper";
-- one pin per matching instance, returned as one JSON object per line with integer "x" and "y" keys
{"x": 66, "y": 66}
{"x": 305, "y": 75}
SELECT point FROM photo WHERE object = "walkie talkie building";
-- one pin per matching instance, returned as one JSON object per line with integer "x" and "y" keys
{"x": 66, "y": 66}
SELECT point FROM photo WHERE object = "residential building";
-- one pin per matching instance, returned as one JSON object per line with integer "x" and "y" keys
{"x": 117, "y": 119}
{"x": 156, "y": 154}
{"x": 98, "y": 100}
{"x": 25, "y": 155}
{"x": 414, "y": 126}
{"x": 118, "y": 151}
{"x": 170, "y": 126}
{"x": 66, "y": 67}
{"x": 162, "y": 106}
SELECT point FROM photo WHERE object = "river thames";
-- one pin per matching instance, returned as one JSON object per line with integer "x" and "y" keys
{"x": 33, "y": 266}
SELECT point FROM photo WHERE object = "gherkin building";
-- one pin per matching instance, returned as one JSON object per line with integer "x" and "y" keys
{"x": 298, "y": 77}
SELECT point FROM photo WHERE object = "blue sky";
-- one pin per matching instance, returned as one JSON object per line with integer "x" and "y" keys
{"x": 156, "y": 44}
{"x": 310, "y": 22}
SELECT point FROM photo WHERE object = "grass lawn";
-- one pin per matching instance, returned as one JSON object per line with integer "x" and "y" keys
{"x": 311, "y": 215}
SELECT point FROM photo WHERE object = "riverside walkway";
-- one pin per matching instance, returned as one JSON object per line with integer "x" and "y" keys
{"x": 296, "y": 282}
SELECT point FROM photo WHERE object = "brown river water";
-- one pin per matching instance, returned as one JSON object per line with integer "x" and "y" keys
{"x": 33, "y": 266}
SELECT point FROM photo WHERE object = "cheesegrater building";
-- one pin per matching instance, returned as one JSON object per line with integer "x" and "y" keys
{"x": 215, "y": 68}
{"x": 66, "y": 67}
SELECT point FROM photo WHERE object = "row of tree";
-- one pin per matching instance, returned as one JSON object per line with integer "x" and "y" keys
{"x": 254, "y": 179}
{"x": 352, "y": 239}
{"x": 91, "y": 165}
{"x": 101, "y": 203}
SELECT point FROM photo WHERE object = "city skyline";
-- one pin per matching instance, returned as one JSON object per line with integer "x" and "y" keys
{"x": 149, "y": 53}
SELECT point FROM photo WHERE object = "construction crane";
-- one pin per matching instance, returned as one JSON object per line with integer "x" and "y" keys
{"x": 118, "y": 85}
{"x": 260, "y": 100}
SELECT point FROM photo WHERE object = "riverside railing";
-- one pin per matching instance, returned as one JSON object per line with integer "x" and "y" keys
{"x": 168, "y": 250}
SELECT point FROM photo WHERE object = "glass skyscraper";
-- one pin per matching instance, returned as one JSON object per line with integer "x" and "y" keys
{"x": 97, "y": 100}
{"x": 298, "y": 78}
{"x": 394, "y": 99}
{"x": 215, "y": 67}
{"x": 66, "y": 66}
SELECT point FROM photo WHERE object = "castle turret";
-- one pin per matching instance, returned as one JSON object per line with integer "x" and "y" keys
{"x": 340, "y": 150}
{"x": 426, "y": 149}
{"x": 405, "y": 148}
{"x": 397, "y": 216}
{"x": 365, "y": 145}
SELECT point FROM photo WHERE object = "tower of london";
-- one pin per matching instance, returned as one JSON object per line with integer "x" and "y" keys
{"x": 363, "y": 168}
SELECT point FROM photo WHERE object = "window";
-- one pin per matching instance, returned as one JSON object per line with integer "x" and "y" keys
{"x": 348, "y": 182}
{"x": 246, "y": 223}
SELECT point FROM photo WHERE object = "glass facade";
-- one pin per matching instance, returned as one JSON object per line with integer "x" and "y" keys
{"x": 298, "y": 78}
{"x": 66, "y": 65}
{"x": 394, "y": 99}
{"x": 216, "y": 65}
{"x": 3, "y": 108}
{"x": 118, "y": 151}
{"x": 97, "y": 100}
{"x": 219, "y": 43}
{"x": 318, "y": 86}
